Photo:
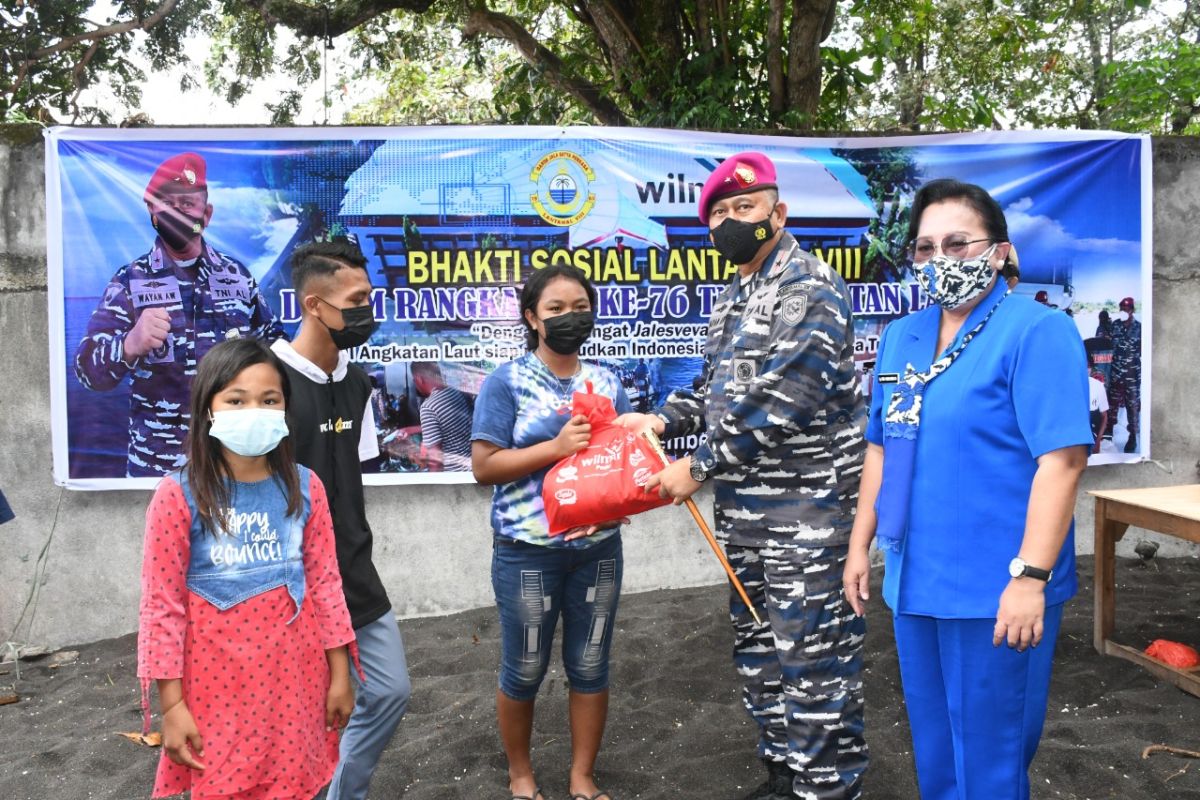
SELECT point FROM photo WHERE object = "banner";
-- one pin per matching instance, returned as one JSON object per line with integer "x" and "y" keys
{"x": 454, "y": 219}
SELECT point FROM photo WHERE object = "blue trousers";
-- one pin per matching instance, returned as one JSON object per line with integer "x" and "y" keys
{"x": 976, "y": 711}
{"x": 378, "y": 707}
{"x": 535, "y": 585}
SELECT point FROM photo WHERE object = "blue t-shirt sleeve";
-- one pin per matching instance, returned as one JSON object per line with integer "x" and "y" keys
{"x": 875, "y": 413}
{"x": 1050, "y": 386}
{"x": 495, "y": 411}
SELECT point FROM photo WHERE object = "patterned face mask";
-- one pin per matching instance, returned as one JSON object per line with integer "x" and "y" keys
{"x": 951, "y": 282}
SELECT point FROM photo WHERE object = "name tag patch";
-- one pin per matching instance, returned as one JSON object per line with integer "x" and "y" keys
{"x": 162, "y": 291}
{"x": 889, "y": 377}
{"x": 228, "y": 286}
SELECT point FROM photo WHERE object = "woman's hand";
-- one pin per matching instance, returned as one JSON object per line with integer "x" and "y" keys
{"x": 856, "y": 579}
{"x": 339, "y": 702}
{"x": 588, "y": 530}
{"x": 1021, "y": 615}
{"x": 640, "y": 423}
{"x": 181, "y": 737}
{"x": 574, "y": 436}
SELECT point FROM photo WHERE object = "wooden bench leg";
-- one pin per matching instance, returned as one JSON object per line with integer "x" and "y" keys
{"x": 1108, "y": 533}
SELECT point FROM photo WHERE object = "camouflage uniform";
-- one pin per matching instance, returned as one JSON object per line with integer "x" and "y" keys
{"x": 1125, "y": 382}
{"x": 783, "y": 412}
{"x": 209, "y": 301}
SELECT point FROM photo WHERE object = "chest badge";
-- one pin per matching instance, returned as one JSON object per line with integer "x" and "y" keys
{"x": 743, "y": 370}
{"x": 795, "y": 306}
{"x": 232, "y": 333}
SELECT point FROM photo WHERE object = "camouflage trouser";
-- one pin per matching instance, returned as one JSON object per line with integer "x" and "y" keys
{"x": 803, "y": 667}
{"x": 1127, "y": 394}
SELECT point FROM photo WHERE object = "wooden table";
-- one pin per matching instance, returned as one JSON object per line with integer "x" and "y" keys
{"x": 1171, "y": 510}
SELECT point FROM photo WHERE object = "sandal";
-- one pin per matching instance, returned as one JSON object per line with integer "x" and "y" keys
{"x": 537, "y": 795}
{"x": 596, "y": 796}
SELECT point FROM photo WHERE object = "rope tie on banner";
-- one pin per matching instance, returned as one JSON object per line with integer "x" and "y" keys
{"x": 328, "y": 45}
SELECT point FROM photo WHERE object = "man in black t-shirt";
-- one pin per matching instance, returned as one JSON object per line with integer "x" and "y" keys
{"x": 333, "y": 431}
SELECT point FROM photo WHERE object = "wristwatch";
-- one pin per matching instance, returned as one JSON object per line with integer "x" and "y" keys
{"x": 1019, "y": 569}
{"x": 699, "y": 470}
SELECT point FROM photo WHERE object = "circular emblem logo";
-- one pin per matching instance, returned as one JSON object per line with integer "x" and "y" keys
{"x": 561, "y": 180}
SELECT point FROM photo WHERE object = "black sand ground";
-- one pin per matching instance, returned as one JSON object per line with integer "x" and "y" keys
{"x": 676, "y": 728}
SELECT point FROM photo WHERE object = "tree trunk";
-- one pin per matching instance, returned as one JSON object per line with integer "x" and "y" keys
{"x": 482, "y": 21}
{"x": 644, "y": 39}
{"x": 776, "y": 80}
{"x": 811, "y": 22}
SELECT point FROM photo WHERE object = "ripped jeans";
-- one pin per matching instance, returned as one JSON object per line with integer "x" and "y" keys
{"x": 533, "y": 586}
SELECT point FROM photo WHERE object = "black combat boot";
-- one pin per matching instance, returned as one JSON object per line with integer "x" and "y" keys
{"x": 1131, "y": 445}
{"x": 777, "y": 786}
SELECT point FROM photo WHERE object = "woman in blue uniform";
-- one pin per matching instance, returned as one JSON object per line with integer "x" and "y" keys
{"x": 978, "y": 434}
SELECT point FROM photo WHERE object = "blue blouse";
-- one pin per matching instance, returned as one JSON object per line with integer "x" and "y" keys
{"x": 1019, "y": 390}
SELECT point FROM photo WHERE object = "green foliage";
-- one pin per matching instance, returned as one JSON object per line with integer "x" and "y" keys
{"x": 957, "y": 65}
{"x": 54, "y": 52}
{"x": 892, "y": 177}
{"x": 888, "y": 64}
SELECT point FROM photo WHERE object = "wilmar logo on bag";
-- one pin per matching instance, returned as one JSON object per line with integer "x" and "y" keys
{"x": 606, "y": 461}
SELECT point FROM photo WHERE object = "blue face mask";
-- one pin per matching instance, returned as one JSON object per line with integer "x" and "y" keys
{"x": 249, "y": 431}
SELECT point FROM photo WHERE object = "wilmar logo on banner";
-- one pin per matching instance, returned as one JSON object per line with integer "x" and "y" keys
{"x": 454, "y": 220}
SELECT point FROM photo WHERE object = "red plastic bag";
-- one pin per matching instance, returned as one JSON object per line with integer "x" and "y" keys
{"x": 1173, "y": 654}
{"x": 605, "y": 480}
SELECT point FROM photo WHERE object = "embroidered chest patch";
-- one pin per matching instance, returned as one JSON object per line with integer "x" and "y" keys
{"x": 744, "y": 370}
{"x": 794, "y": 307}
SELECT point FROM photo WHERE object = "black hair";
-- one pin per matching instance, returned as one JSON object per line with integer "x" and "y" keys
{"x": 974, "y": 197}
{"x": 207, "y": 468}
{"x": 532, "y": 293}
{"x": 324, "y": 259}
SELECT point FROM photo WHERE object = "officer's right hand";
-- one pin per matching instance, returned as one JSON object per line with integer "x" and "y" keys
{"x": 152, "y": 328}
{"x": 574, "y": 436}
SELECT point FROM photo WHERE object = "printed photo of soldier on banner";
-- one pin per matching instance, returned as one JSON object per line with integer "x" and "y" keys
{"x": 163, "y": 243}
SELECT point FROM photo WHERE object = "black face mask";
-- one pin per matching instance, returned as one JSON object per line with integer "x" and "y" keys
{"x": 566, "y": 333}
{"x": 177, "y": 229}
{"x": 359, "y": 323}
{"x": 739, "y": 241}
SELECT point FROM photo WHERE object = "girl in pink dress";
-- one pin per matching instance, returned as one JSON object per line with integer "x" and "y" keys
{"x": 243, "y": 623}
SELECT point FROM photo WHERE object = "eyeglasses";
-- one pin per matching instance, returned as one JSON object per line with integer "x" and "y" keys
{"x": 953, "y": 245}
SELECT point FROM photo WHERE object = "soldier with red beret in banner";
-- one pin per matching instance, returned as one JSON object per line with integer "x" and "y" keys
{"x": 781, "y": 406}
{"x": 161, "y": 313}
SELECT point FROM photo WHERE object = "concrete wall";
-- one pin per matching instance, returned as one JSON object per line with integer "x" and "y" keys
{"x": 432, "y": 542}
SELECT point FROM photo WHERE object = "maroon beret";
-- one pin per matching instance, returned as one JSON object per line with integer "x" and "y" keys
{"x": 182, "y": 173}
{"x": 739, "y": 174}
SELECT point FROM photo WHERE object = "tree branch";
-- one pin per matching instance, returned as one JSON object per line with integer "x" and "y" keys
{"x": 306, "y": 19}
{"x": 491, "y": 23}
{"x": 111, "y": 30}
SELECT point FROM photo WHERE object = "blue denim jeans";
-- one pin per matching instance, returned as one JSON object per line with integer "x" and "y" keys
{"x": 533, "y": 586}
{"x": 378, "y": 706}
